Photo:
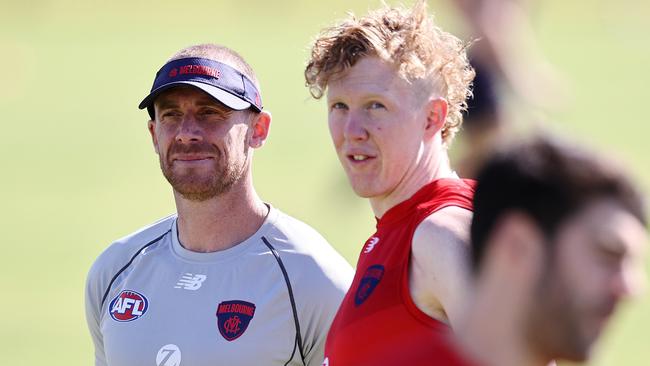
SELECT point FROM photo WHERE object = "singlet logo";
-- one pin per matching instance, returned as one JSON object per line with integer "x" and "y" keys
{"x": 326, "y": 362}
{"x": 127, "y": 306}
{"x": 169, "y": 355}
{"x": 233, "y": 318}
{"x": 370, "y": 244}
{"x": 189, "y": 281}
{"x": 368, "y": 283}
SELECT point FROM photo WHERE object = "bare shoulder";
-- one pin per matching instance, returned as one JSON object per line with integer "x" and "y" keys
{"x": 446, "y": 229}
{"x": 439, "y": 270}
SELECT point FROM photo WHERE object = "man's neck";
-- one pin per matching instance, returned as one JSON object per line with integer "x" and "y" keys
{"x": 221, "y": 222}
{"x": 429, "y": 168}
{"x": 493, "y": 330}
{"x": 497, "y": 344}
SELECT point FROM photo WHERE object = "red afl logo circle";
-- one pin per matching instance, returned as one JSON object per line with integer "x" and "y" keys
{"x": 173, "y": 73}
{"x": 127, "y": 306}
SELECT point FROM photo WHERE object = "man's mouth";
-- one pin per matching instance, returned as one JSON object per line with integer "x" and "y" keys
{"x": 186, "y": 158}
{"x": 191, "y": 158}
{"x": 359, "y": 158}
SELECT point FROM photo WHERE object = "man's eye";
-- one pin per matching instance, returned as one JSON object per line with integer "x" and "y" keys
{"x": 339, "y": 105}
{"x": 376, "y": 105}
{"x": 170, "y": 114}
{"x": 611, "y": 257}
{"x": 213, "y": 113}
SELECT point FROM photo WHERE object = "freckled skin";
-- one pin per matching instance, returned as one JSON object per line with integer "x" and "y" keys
{"x": 373, "y": 111}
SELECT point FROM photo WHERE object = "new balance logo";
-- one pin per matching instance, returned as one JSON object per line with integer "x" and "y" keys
{"x": 191, "y": 281}
{"x": 371, "y": 244}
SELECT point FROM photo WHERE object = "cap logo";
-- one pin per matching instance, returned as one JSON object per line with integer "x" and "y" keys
{"x": 200, "y": 70}
{"x": 173, "y": 73}
{"x": 233, "y": 318}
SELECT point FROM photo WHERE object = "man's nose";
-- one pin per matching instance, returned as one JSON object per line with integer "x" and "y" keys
{"x": 189, "y": 130}
{"x": 628, "y": 281}
{"x": 355, "y": 128}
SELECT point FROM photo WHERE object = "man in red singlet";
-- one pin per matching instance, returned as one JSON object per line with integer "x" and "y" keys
{"x": 396, "y": 85}
{"x": 558, "y": 237}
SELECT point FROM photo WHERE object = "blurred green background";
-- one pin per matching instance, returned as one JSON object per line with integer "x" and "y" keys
{"x": 78, "y": 169}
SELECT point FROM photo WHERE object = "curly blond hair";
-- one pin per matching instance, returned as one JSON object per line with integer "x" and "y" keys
{"x": 425, "y": 55}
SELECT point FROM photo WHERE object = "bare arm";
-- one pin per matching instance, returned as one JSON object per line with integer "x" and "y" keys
{"x": 439, "y": 274}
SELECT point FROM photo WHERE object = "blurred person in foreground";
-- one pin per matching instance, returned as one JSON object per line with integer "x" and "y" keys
{"x": 558, "y": 239}
{"x": 509, "y": 64}
{"x": 229, "y": 279}
{"x": 396, "y": 85}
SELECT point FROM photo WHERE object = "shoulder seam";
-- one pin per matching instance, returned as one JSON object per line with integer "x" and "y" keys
{"x": 110, "y": 284}
{"x": 296, "y": 321}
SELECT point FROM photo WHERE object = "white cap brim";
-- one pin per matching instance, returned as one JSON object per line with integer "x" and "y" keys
{"x": 230, "y": 100}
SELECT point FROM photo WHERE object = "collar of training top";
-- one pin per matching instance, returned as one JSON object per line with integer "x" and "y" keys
{"x": 221, "y": 81}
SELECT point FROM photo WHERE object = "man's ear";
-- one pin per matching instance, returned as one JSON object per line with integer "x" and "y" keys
{"x": 436, "y": 112}
{"x": 520, "y": 244}
{"x": 260, "y": 127}
{"x": 154, "y": 138}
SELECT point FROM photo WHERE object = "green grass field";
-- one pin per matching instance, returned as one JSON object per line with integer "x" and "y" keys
{"x": 79, "y": 170}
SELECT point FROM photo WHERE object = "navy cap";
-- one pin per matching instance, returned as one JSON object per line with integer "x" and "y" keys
{"x": 223, "y": 82}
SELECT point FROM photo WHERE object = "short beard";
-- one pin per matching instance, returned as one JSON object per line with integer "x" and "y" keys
{"x": 555, "y": 322}
{"x": 196, "y": 187}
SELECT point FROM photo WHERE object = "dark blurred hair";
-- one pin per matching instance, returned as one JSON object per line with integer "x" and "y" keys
{"x": 549, "y": 181}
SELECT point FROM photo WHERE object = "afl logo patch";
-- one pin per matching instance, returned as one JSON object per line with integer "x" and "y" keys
{"x": 233, "y": 318}
{"x": 127, "y": 306}
{"x": 368, "y": 283}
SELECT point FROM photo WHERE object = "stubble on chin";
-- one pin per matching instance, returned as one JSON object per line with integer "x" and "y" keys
{"x": 200, "y": 186}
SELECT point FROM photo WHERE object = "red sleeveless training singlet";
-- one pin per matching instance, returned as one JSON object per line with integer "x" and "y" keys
{"x": 378, "y": 324}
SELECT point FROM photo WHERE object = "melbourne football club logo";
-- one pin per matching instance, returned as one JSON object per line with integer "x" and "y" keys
{"x": 233, "y": 318}
{"x": 127, "y": 306}
{"x": 368, "y": 283}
